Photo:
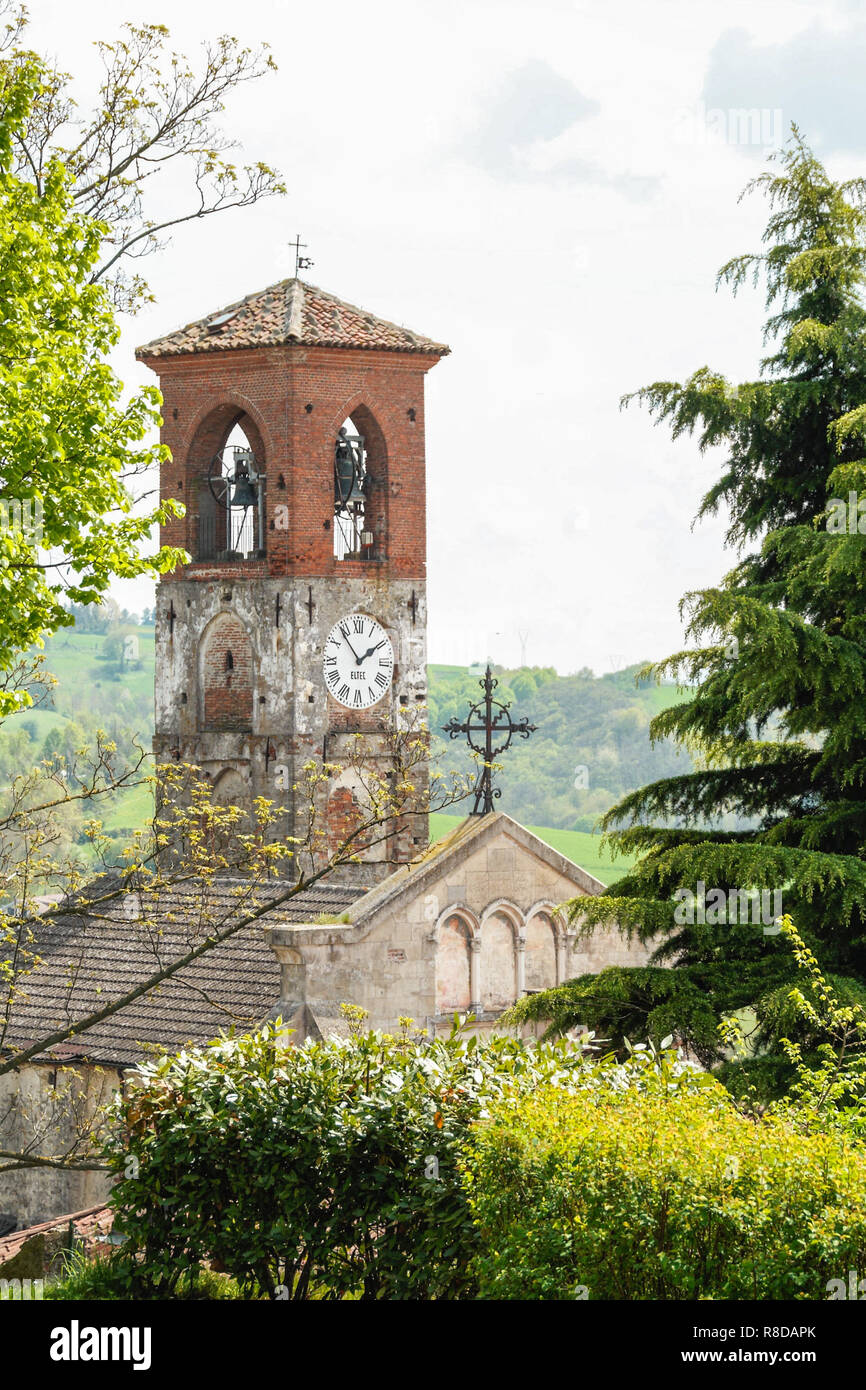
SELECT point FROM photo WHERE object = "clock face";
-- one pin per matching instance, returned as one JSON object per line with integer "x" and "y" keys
{"x": 358, "y": 661}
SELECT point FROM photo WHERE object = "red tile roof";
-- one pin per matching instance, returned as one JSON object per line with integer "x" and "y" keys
{"x": 92, "y": 1226}
{"x": 286, "y": 313}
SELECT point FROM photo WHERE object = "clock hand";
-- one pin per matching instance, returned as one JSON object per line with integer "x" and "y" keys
{"x": 369, "y": 652}
{"x": 358, "y": 659}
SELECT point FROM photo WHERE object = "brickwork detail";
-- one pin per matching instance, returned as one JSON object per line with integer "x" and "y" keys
{"x": 227, "y": 675}
{"x": 344, "y": 815}
{"x": 266, "y": 391}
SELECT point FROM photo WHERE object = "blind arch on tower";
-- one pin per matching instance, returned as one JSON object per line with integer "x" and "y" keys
{"x": 348, "y": 807}
{"x": 226, "y": 674}
{"x": 230, "y": 789}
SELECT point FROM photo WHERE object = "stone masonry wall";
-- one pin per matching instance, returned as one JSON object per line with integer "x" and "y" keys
{"x": 388, "y": 964}
{"x": 37, "y": 1194}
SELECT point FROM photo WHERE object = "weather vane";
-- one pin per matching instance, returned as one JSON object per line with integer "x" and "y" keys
{"x": 498, "y": 730}
{"x": 301, "y": 262}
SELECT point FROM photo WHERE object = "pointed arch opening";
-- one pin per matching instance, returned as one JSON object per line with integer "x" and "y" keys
{"x": 360, "y": 488}
{"x": 226, "y": 516}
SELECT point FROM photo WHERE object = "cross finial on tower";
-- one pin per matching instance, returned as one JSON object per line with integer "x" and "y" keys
{"x": 499, "y": 725}
{"x": 301, "y": 262}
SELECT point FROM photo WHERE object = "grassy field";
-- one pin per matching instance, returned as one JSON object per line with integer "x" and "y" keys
{"x": 132, "y": 810}
{"x": 135, "y": 807}
{"x": 576, "y": 845}
{"x": 93, "y": 693}
{"x": 73, "y": 657}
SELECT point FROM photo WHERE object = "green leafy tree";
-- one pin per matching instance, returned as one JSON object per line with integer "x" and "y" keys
{"x": 77, "y": 214}
{"x": 776, "y": 718}
{"x": 68, "y": 521}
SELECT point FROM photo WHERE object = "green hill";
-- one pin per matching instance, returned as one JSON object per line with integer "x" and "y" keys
{"x": 591, "y": 746}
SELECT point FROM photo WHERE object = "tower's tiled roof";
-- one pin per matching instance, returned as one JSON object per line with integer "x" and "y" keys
{"x": 286, "y": 313}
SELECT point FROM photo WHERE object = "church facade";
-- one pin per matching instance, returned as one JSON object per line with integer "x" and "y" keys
{"x": 472, "y": 926}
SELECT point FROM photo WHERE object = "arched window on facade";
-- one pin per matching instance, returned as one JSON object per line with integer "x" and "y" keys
{"x": 453, "y": 972}
{"x": 498, "y": 963}
{"x": 540, "y": 953}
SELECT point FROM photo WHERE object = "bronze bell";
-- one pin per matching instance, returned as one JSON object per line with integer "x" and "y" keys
{"x": 243, "y": 491}
{"x": 243, "y": 494}
{"x": 348, "y": 482}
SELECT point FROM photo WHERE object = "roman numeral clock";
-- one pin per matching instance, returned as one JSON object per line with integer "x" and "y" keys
{"x": 358, "y": 663}
{"x": 295, "y": 427}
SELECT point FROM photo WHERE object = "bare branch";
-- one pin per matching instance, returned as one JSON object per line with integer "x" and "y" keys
{"x": 153, "y": 109}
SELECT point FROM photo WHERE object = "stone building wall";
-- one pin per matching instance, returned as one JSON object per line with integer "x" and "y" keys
{"x": 283, "y": 625}
{"x": 475, "y": 928}
{"x": 35, "y": 1111}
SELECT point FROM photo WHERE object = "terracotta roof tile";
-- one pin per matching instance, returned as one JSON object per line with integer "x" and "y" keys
{"x": 92, "y": 1226}
{"x": 286, "y": 313}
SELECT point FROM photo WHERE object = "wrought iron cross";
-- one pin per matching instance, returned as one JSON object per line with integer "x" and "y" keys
{"x": 301, "y": 262}
{"x": 498, "y": 730}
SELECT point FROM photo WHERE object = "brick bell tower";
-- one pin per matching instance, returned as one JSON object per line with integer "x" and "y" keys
{"x": 296, "y": 429}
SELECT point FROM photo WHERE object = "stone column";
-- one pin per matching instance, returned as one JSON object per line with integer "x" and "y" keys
{"x": 475, "y": 974}
{"x": 561, "y": 949}
{"x": 520, "y": 943}
{"x": 293, "y": 970}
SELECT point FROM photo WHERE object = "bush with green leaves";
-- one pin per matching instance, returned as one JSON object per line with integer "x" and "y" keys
{"x": 330, "y": 1169}
{"x": 821, "y": 1026}
{"x": 660, "y": 1196}
{"x": 103, "y": 1278}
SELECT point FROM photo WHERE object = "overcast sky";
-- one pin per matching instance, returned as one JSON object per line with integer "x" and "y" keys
{"x": 550, "y": 189}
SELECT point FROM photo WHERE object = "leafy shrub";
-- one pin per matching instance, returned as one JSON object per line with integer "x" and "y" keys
{"x": 106, "y": 1278}
{"x": 328, "y": 1170}
{"x": 660, "y": 1196}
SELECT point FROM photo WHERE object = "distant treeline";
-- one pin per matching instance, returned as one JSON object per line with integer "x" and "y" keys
{"x": 592, "y": 742}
